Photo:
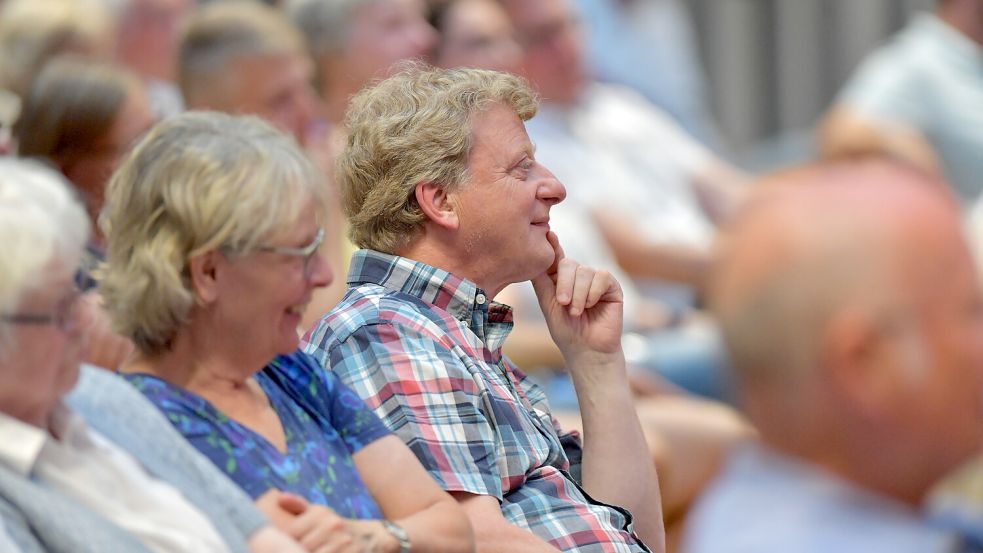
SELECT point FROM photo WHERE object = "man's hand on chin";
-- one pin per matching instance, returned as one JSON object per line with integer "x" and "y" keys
{"x": 583, "y": 307}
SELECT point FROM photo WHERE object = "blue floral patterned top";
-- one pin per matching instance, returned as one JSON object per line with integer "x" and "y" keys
{"x": 324, "y": 422}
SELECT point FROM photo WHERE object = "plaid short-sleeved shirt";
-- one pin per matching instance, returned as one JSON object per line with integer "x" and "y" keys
{"x": 424, "y": 349}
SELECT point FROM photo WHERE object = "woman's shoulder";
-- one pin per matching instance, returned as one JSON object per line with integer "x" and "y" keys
{"x": 300, "y": 376}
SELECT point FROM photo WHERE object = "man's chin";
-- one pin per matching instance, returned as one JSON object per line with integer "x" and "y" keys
{"x": 544, "y": 260}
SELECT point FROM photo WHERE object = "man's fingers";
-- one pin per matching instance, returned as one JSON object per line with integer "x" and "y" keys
{"x": 600, "y": 286}
{"x": 584, "y": 277}
{"x": 566, "y": 274}
{"x": 554, "y": 241}
{"x": 545, "y": 284}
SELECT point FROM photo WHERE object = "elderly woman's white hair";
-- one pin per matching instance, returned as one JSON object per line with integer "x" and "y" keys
{"x": 41, "y": 221}
{"x": 198, "y": 182}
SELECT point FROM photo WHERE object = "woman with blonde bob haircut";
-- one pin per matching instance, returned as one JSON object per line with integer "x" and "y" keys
{"x": 213, "y": 225}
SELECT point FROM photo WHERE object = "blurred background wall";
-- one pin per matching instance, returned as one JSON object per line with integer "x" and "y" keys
{"x": 773, "y": 66}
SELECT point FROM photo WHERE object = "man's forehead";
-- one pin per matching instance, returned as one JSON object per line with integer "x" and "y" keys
{"x": 499, "y": 127}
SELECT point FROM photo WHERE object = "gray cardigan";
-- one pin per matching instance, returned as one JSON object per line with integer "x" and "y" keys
{"x": 40, "y": 519}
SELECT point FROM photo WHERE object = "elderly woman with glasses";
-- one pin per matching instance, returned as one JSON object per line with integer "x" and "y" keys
{"x": 213, "y": 225}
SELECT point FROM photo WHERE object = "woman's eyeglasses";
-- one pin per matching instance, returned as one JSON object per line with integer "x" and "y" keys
{"x": 63, "y": 316}
{"x": 307, "y": 252}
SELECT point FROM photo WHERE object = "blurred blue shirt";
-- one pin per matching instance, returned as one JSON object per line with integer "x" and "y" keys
{"x": 765, "y": 502}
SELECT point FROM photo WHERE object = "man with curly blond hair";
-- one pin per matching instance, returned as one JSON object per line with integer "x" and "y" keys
{"x": 445, "y": 196}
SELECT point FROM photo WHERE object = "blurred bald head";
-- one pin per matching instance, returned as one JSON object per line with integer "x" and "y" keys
{"x": 847, "y": 299}
{"x": 812, "y": 240}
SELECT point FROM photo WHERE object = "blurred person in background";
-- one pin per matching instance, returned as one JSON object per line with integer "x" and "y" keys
{"x": 918, "y": 99}
{"x": 242, "y": 57}
{"x": 653, "y": 191}
{"x": 110, "y": 475}
{"x": 651, "y": 46}
{"x": 81, "y": 116}
{"x": 474, "y": 33}
{"x": 857, "y": 339}
{"x": 213, "y": 225}
{"x": 247, "y": 58}
{"x": 353, "y": 42}
{"x": 147, "y": 35}
{"x": 34, "y": 31}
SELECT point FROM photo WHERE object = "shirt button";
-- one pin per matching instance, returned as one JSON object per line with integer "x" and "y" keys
{"x": 480, "y": 299}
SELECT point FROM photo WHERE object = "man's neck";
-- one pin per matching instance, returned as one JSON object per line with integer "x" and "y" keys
{"x": 439, "y": 256}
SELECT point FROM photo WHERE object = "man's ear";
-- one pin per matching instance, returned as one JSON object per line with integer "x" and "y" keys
{"x": 204, "y": 269}
{"x": 437, "y": 204}
{"x": 858, "y": 359}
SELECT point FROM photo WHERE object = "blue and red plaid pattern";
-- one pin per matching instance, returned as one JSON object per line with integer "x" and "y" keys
{"x": 424, "y": 350}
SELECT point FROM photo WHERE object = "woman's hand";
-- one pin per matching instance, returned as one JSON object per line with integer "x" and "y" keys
{"x": 320, "y": 530}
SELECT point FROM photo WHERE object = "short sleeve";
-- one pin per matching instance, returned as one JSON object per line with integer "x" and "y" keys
{"x": 425, "y": 392}
{"x": 334, "y": 404}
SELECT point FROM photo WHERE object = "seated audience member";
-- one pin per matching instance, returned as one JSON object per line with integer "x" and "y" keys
{"x": 246, "y": 58}
{"x": 34, "y": 31}
{"x": 654, "y": 192}
{"x": 213, "y": 224}
{"x": 872, "y": 393}
{"x": 353, "y": 42}
{"x": 125, "y": 483}
{"x": 444, "y": 195}
{"x": 81, "y": 116}
{"x": 474, "y": 33}
{"x": 651, "y": 46}
{"x": 918, "y": 99}
{"x": 147, "y": 35}
{"x": 687, "y": 436}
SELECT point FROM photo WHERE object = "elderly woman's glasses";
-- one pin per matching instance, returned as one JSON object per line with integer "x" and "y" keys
{"x": 63, "y": 316}
{"x": 307, "y": 252}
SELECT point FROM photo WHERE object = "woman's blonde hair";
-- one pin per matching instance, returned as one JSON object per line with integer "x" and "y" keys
{"x": 410, "y": 128}
{"x": 198, "y": 182}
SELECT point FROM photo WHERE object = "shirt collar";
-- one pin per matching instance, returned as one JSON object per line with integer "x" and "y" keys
{"x": 458, "y": 296}
{"x": 21, "y": 443}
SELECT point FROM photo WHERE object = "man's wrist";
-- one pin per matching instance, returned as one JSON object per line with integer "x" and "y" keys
{"x": 595, "y": 361}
